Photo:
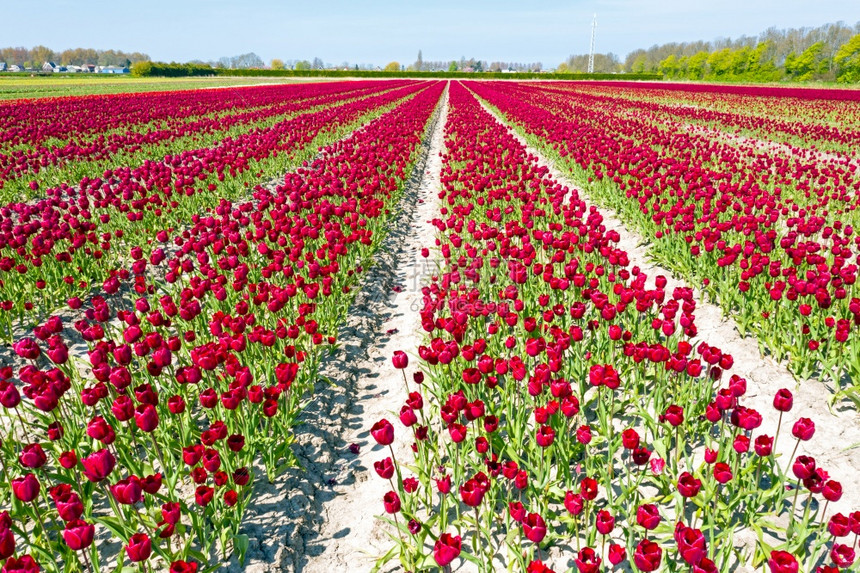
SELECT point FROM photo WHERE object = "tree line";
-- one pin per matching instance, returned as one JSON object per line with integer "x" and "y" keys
{"x": 470, "y": 65}
{"x": 830, "y": 53}
{"x": 38, "y": 55}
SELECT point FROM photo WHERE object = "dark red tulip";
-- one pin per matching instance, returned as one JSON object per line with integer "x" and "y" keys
{"x": 446, "y": 549}
{"x": 803, "y": 429}
{"x": 605, "y": 522}
{"x": 472, "y": 493}
{"x": 782, "y": 562}
{"x": 400, "y": 359}
{"x": 138, "y": 548}
{"x": 803, "y": 467}
{"x": 617, "y": 554}
{"x": 23, "y": 564}
{"x": 180, "y": 566}
{"x": 647, "y": 556}
{"x": 127, "y": 491}
{"x": 648, "y": 516}
{"x": 98, "y": 465}
{"x": 383, "y": 432}
{"x": 32, "y": 456}
{"x": 517, "y": 511}
{"x": 587, "y": 561}
{"x": 26, "y": 488}
{"x": 688, "y": 486}
{"x": 7, "y": 542}
{"x": 783, "y": 400}
{"x": 78, "y": 534}
{"x": 722, "y": 472}
{"x": 534, "y": 527}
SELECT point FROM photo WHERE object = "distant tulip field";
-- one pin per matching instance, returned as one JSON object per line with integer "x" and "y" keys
{"x": 175, "y": 268}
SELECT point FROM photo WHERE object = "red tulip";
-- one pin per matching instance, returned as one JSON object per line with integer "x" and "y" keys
{"x": 98, "y": 465}
{"x": 587, "y": 561}
{"x": 617, "y": 554}
{"x": 782, "y": 562}
{"x": 534, "y": 527}
{"x": 446, "y": 549}
{"x": 648, "y": 516}
{"x": 803, "y": 429}
{"x": 391, "y": 501}
{"x": 783, "y": 400}
{"x": 605, "y": 522}
{"x": 23, "y": 564}
{"x": 383, "y": 432}
{"x": 400, "y": 359}
{"x": 138, "y": 548}
{"x": 183, "y": 567}
{"x": 647, "y": 556}
{"x": 26, "y": 488}
{"x": 78, "y": 534}
{"x": 688, "y": 486}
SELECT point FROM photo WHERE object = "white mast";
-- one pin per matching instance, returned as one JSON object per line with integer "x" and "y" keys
{"x": 591, "y": 53}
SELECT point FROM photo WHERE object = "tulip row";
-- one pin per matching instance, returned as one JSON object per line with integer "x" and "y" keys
{"x": 89, "y": 233}
{"x": 823, "y": 121}
{"x": 150, "y": 440}
{"x": 770, "y": 237}
{"x": 568, "y": 415}
{"x": 30, "y": 123}
{"x": 24, "y": 170}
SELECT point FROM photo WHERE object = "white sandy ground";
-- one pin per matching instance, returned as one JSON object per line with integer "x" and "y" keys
{"x": 321, "y": 518}
{"x": 837, "y": 436}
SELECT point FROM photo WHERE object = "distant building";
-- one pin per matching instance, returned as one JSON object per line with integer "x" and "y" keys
{"x": 73, "y": 69}
{"x": 49, "y": 67}
{"x": 16, "y": 68}
{"x": 114, "y": 70}
{"x": 2, "y": 66}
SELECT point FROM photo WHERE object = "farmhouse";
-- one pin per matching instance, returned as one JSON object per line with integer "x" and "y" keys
{"x": 113, "y": 70}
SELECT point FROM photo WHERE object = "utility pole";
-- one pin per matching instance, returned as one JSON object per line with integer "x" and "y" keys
{"x": 591, "y": 53}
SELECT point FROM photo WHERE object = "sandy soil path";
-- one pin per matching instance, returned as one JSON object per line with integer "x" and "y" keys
{"x": 321, "y": 518}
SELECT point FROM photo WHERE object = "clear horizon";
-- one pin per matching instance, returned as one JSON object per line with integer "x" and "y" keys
{"x": 387, "y": 30}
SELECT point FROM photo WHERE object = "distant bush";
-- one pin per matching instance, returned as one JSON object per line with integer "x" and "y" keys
{"x": 171, "y": 70}
{"x": 141, "y": 69}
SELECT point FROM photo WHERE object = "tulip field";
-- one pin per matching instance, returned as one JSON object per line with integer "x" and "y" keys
{"x": 176, "y": 268}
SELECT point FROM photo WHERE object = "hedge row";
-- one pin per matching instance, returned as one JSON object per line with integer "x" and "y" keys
{"x": 174, "y": 70}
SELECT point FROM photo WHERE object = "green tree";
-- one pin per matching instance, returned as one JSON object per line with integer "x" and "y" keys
{"x": 669, "y": 66}
{"x": 683, "y": 63}
{"x": 739, "y": 61}
{"x": 847, "y": 60}
{"x": 303, "y": 65}
{"x": 804, "y": 66}
{"x": 696, "y": 65}
{"x": 141, "y": 69}
{"x": 392, "y": 67}
{"x": 452, "y": 67}
{"x": 720, "y": 62}
{"x": 277, "y": 64}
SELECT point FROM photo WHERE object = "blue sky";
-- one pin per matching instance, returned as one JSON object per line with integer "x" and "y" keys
{"x": 384, "y": 30}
